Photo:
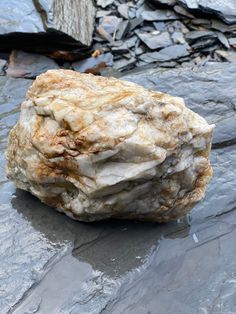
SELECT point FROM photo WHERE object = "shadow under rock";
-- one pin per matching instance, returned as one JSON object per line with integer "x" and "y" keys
{"x": 112, "y": 246}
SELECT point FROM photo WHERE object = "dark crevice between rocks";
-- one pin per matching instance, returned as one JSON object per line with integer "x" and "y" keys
{"x": 224, "y": 144}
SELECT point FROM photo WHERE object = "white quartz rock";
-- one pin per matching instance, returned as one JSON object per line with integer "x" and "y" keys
{"x": 96, "y": 148}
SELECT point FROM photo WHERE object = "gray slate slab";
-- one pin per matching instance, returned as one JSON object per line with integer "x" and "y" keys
{"x": 51, "y": 264}
{"x": 46, "y": 24}
{"x": 29, "y": 65}
{"x": 224, "y": 9}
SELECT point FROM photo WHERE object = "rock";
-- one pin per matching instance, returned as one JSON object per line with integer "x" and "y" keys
{"x": 194, "y": 36}
{"x": 29, "y": 65}
{"x": 74, "y": 159}
{"x": 201, "y": 22}
{"x": 178, "y": 26}
{"x": 104, "y": 3}
{"x": 124, "y": 64}
{"x": 110, "y": 23}
{"x": 180, "y": 10}
{"x": 215, "y": 104}
{"x": 3, "y": 64}
{"x": 232, "y": 41}
{"x": 123, "y": 9}
{"x": 160, "y": 26}
{"x": 122, "y": 29}
{"x": 166, "y": 54}
{"x": 131, "y": 41}
{"x": 101, "y": 31}
{"x": 225, "y": 10}
{"x": 147, "y": 14}
{"x": 139, "y": 51}
{"x": 50, "y": 25}
{"x": 178, "y": 38}
{"x": 204, "y": 44}
{"x": 120, "y": 49}
{"x": 12, "y": 93}
{"x": 228, "y": 56}
{"x": 93, "y": 65}
{"x": 135, "y": 22}
{"x": 155, "y": 39}
{"x": 102, "y": 13}
{"x": 223, "y": 39}
{"x": 222, "y": 27}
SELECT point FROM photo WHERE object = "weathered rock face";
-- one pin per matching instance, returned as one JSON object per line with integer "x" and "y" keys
{"x": 49, "y": 24}
{"x": 97, "y": 148}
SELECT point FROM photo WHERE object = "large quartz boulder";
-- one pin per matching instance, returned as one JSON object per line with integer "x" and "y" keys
{"x": 95, "y": 148}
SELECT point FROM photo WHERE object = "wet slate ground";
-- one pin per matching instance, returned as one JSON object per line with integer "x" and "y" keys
{"x": 51, "y": 264}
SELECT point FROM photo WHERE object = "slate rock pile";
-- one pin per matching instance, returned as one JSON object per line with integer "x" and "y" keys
{"x": 127, "y": 35}
{"x": 165, "y": 32}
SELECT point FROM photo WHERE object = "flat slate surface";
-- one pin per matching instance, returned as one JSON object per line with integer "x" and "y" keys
{"x": 51, "y": 264}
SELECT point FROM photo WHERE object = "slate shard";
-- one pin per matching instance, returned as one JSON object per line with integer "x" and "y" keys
{"x": 224, "y": 9}
{"x": 93, "y": 65}
{"x": 173, "y": 52}
{"x": 155, "y": 40}
{"x": 96, "y": 148}
{"x": 46, "y": 25}
{"x": 29, "y": 65}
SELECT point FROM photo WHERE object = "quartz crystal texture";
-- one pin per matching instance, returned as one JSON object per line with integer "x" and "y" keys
{"x": 97, "y": 148}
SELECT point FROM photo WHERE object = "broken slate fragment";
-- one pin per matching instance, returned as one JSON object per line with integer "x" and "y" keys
{"x": 102, "y": 13}
{"x": 29, "y": 65}
{"x": 229, "y": 56}
{"x": 123, "y": 9}
{"x": 155, "y": 39}
{"x": 122, "y": 29}
{"x": 123, "y": 48}
{"x": 93, "y": 65}
{"x": 104, "y": 3}
{"x": 104, "y": 35}
{"x": 131, "y": 41}
{"x": 140, "y": 50}
{"x": 224, "y": 9}
{"x": 135, "y": 22}
{"x": 110, "y": 23}
{"x": 193, "y": 36}
{"x": 204, "y": 43}
{"x": 178, "y": 38}
{"x": 160, "y": 26}
{"x": 124, "y": 64}
{"x": 223, "y": 39}
{"x": 159, "y": 15}
{"x": 169, "y": 53}
{"x": 232, "y": 41}
{"x": 180, "y": 10}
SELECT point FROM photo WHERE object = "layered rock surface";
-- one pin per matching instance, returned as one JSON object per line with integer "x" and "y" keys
{"x": 97, "y": 148}
{"x": 47, "y": 24}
